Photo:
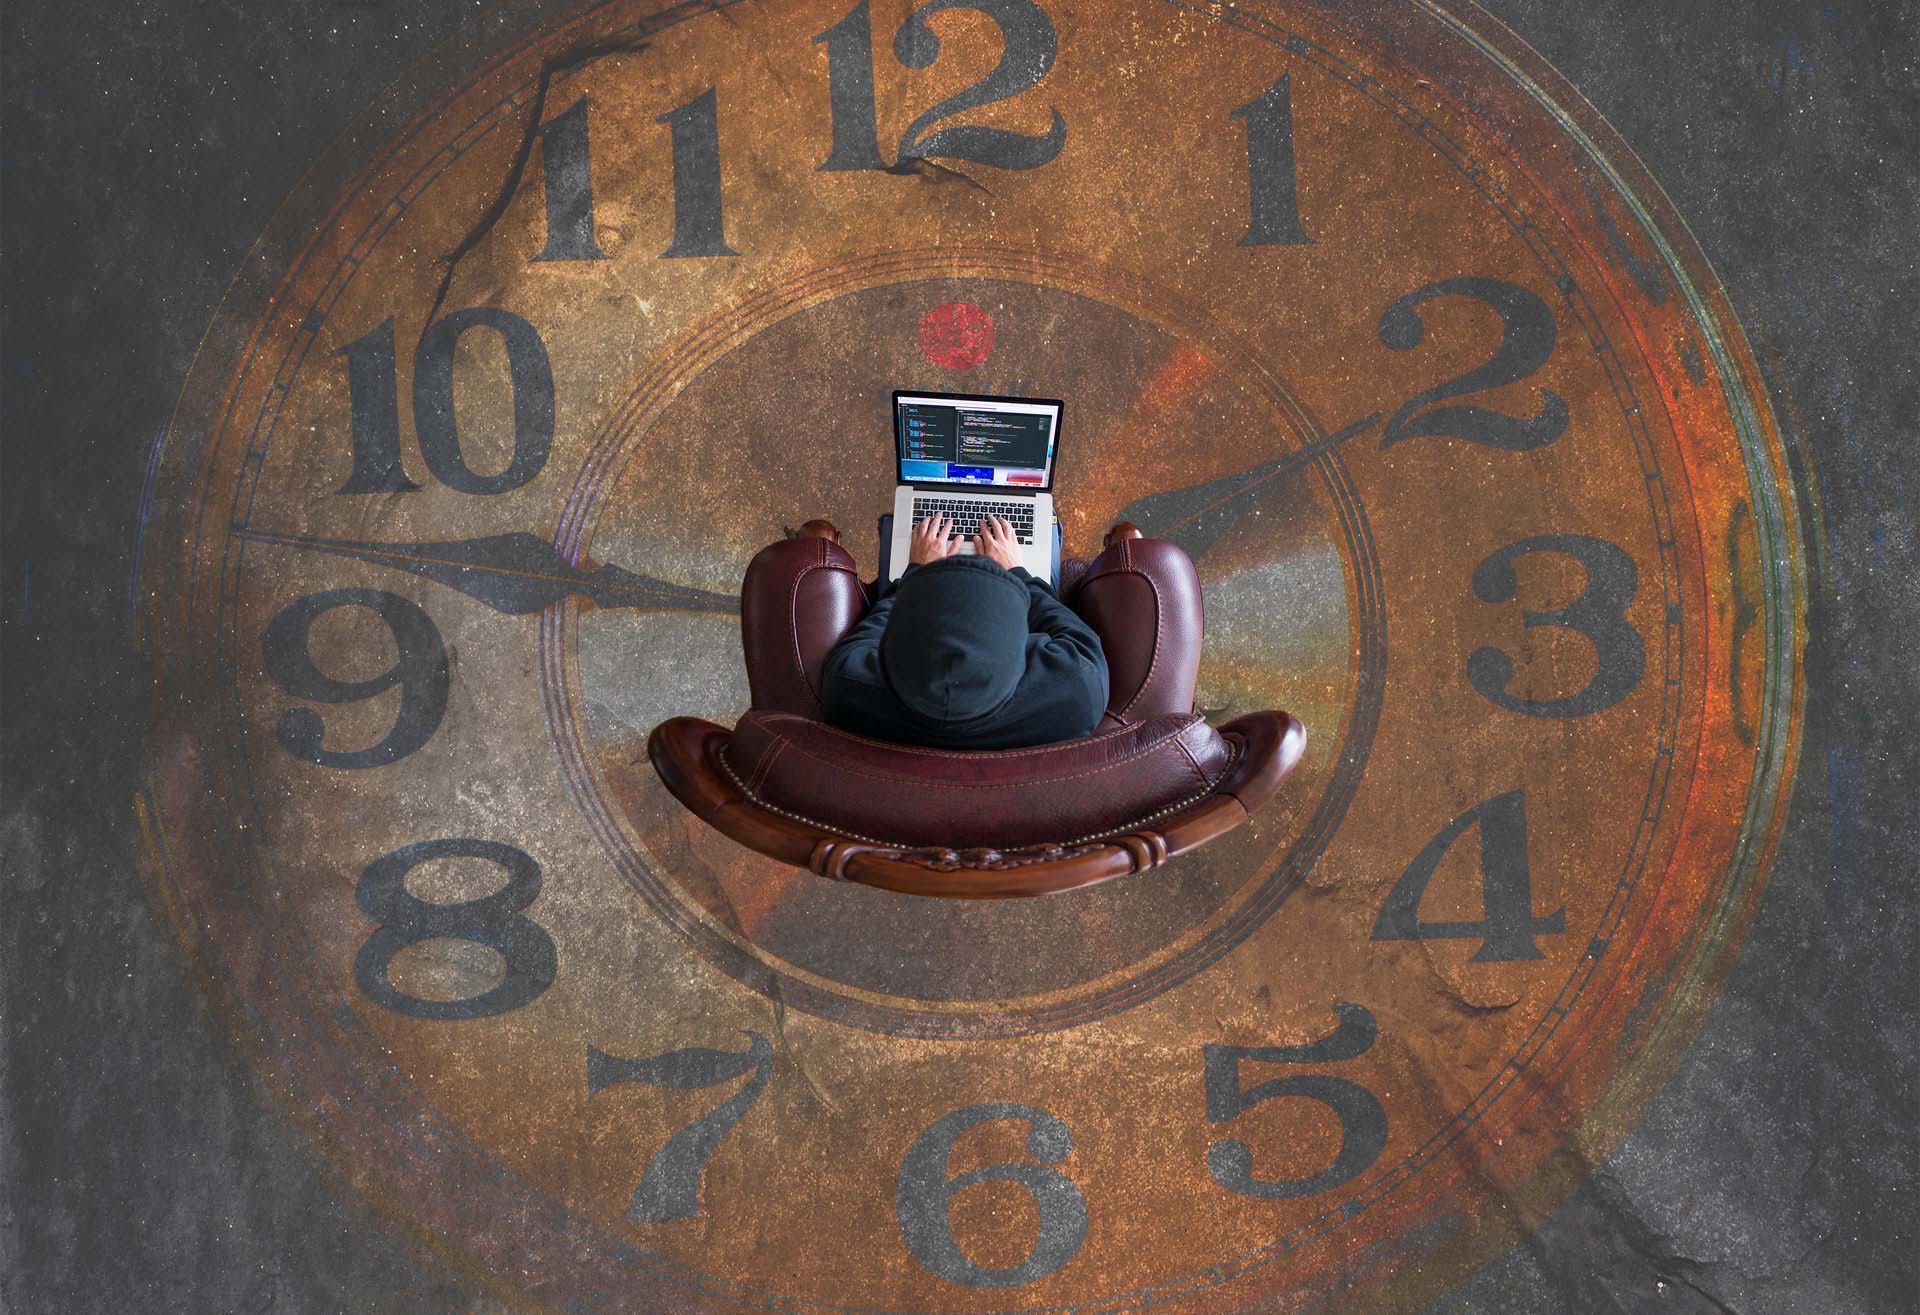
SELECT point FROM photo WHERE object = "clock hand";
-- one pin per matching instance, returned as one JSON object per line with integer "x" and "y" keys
{"x": 514, "y": 573}
{"x": 1196, "y": 516}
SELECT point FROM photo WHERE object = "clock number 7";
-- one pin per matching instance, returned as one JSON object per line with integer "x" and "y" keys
{"x": 669, "y": 1186}
{"x": 1363, "y": 1123}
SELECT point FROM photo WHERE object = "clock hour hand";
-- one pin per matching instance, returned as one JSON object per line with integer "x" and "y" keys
{"x": 514, "y": 573}
{"x": 1196, "y": 516}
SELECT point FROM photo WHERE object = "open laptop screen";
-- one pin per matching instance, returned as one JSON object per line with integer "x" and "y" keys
{"x": 982, "y": 442}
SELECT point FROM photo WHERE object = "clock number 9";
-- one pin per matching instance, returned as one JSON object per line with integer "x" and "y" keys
{"x": 924, "y": 1192}
{"x": 1363, "y": 1123}
{"x": 669, "y": 1186}
{"x": 1527, "y": 336}
{"x": 495, "y": 921}
{"x": 374, "y": 393}
{"x": 420, "y": 671}
{"x": 1030, "y": 45}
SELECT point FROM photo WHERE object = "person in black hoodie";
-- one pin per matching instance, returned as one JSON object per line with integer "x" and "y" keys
{"x": 966, "y": 652}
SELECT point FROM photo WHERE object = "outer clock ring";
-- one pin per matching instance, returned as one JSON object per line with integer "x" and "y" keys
{"x": 1771, "y": 773}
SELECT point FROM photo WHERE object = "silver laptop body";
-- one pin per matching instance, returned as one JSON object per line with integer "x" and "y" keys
{"x": 972, "y": 455}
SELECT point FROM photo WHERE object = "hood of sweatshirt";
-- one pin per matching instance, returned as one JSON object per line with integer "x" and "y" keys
{"x": 956, "y": 641}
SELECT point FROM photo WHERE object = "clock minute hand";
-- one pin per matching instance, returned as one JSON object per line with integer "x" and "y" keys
{"x": 1196, "y": 516}
{"x": 513, "y": 573}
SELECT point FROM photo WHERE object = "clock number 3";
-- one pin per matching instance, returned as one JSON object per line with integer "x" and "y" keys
{"x": 1599, "y": 613}
{"x": 669, "y": 1186}
{"x": 1363, "y": 1122}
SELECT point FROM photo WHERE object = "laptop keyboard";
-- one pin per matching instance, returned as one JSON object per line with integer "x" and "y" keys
{"x": 964, "y": 514}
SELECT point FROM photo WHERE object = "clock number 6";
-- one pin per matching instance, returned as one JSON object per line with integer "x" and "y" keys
{"x": 669, "y": 1186}
{"x": 1363, "y": 1123}
{"x": 495, "y": 921}
{"x": 924, "y": 1192}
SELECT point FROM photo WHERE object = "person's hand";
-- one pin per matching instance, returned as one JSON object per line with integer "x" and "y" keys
{"x": 996, "y": 540}
{"x": 932, "y": 539}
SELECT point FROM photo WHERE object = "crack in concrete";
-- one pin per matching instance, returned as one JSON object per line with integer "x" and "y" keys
{"x": 573, "y": 57}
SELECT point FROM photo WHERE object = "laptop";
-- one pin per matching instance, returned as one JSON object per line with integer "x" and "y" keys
{"x": 971, "y": 456}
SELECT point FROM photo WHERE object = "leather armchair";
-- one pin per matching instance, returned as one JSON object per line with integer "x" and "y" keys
{"x": 1153, "y": 781}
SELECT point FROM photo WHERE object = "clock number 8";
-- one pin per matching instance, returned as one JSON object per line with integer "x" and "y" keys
{"x": 495, "y": 921}
{"x": 1363, "y": 1123}
{"x": 420, "y": 671}
{"x": 924, "y": 1193}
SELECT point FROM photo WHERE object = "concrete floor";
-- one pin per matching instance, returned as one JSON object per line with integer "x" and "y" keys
{"x": 147, "y": 143}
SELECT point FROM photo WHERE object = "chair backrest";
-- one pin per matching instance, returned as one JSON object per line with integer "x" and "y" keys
{"x": 896, "y": 794}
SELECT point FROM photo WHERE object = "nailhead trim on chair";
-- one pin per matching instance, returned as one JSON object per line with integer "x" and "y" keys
{"x": 1233, "y": 756}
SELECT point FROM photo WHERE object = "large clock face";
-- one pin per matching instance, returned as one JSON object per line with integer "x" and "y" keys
{"x": 1361, "y": 308}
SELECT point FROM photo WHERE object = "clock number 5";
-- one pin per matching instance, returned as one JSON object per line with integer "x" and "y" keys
{"x": 924, "y": 1193}
{"x": 1363, "y": 1123}
{"x": 669, "y": 1186}
{"x": 1030, "y": 45}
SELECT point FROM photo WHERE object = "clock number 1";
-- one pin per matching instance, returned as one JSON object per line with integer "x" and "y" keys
{"x": 669, "y": 1186}
{"x": 1363, "y": 1122}
{"x": 1272, "y": 180}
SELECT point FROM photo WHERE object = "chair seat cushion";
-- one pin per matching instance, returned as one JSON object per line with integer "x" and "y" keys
{"x": 898, "y": 794}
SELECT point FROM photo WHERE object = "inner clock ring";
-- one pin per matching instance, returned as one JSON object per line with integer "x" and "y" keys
{"x": 688, "y": 479}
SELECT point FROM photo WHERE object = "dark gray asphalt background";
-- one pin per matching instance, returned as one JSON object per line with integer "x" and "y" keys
{"x": 145, "y": 147}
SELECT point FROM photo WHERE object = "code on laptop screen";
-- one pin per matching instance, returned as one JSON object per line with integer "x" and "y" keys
{"x": 959, "y": 442}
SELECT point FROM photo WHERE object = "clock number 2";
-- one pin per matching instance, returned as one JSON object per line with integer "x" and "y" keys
{"x": 373, "y": 391}
{"x": 1030, "y": 46}
{"x": 495, "y": 921}
{"x": 924, "y": 1193}
{"x": 669, "y": 1186}
{"x": 1527, "y": 336}
{"x": 1363, "y": 1122}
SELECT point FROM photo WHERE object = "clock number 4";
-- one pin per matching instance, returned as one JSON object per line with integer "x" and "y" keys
{"x": 669, "y": 1186}
{"x": 1507, "y": 924}
{"x": 1363, "y": 1123}
{"x": 1030, "y": 46}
